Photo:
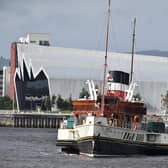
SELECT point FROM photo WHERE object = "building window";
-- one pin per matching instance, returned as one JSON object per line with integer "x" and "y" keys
{"x": 44, "y": 43}
{"x": 33, "y": 42}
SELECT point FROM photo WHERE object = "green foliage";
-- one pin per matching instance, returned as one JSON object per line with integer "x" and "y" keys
{"x": 137, "y": 97}
{"x": 6, "y": 103}
{"x": 47, "y": 103}
{"x": 69, "y": 103}
{"x": 53, "y": 100}
{"x": 84, "y": 93}
{"x": 164, "y": 101}
{"x": 64, "y": 104}
{"x": 66, "y": 111}
{"x": 60, "y": 102}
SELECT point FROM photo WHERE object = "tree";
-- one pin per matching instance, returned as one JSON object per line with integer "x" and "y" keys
{"x": 60, "y": 102}
{"x": 53, "y": 100}
{"x": 164, "y": 101}
{"x": 137, "y": 97}
{"x": 84, "y": 93}
{"x": 47, "y": 103}
{"x": 6, "y": 103}
{"x": 70, "y": 103}
{"x": 67, "y": 105}
{"x": 64, "y": 104}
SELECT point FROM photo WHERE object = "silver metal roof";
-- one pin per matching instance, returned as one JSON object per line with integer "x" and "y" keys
{"x": 88, "y": 64}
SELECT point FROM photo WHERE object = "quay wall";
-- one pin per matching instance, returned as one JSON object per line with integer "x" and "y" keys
{"x": 35, "y": 120}
{"x": 6, "y": 120}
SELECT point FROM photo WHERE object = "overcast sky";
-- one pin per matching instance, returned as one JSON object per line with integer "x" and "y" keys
{"x": 81, "y": 23}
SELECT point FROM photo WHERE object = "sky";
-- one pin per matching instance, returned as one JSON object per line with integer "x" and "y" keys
{"x": 82, "y": 23}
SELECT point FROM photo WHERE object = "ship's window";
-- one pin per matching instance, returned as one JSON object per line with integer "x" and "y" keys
{"x": 139, "y": 137}
{"x": 151, "y": 137}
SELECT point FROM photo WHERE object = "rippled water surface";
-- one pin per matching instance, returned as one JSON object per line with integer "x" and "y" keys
{"x": 35, "y": 148}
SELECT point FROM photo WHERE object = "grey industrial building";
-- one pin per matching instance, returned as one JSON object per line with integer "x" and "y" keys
{"x": 67, "y": 69}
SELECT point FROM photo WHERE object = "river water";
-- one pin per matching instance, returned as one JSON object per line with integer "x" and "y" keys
{"x": 35, "y": 148}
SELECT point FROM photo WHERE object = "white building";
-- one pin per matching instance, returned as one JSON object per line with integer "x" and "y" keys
{"x": 36, "y": 38}
{"x": 5, "y": 83}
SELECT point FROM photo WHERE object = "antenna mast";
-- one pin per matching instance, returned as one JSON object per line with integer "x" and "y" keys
{"x": 133, "y": 50}
{"x": 105, "y": 61}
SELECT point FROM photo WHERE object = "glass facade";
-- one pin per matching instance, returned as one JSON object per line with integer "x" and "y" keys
{"x": 32, "y": 92}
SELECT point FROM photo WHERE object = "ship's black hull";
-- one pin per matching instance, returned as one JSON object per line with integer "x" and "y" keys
{"x": 104, "y": 147}
{"x": 110, "y": 147}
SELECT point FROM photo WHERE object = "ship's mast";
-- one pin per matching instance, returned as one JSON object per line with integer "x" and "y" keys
{"x": 105, "y": 60}
{"x": 133, "y": 50}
